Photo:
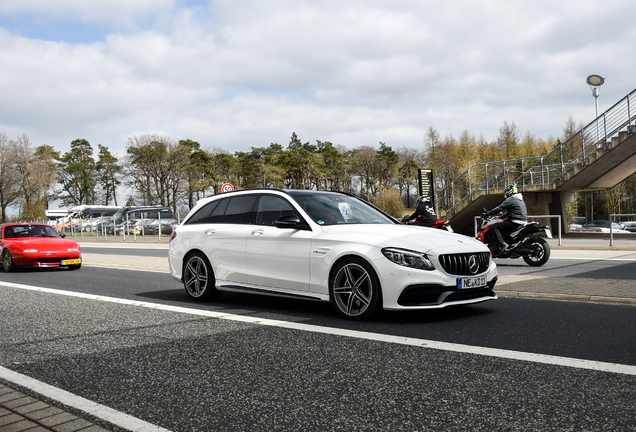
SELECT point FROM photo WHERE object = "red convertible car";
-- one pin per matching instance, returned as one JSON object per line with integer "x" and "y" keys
{"x": 33, "y": 244}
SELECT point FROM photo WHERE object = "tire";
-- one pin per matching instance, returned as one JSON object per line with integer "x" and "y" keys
{"x": 198, "y": 278}
{"x": 7, "y": 262}
{"x": 74, "y": 267}
{"x": 540, "y": 251}
{"x": 354, "y": 289}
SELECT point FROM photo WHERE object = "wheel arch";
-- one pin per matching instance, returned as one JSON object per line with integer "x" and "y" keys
{"x": 191, "y": 252}
{"x": 336, "y": 263}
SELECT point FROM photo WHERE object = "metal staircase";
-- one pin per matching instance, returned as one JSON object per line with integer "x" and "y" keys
{"x": 564, "y": 168}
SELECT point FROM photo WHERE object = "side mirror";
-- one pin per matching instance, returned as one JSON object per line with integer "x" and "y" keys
{"x": 290, "y": 222}
{"x": 62, "y": 234}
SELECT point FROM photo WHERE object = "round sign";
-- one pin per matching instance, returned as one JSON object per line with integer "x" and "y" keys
{"x": 227, "y": 187}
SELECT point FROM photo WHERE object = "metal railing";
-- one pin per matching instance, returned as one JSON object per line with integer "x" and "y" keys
{"x": 611, "y": 220}
{"x": 539, "y": 170}
{"x": 131, "y": 228}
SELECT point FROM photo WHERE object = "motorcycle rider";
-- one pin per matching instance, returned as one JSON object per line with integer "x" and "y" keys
{"x": 424, "y": 213}
{"x": 515, "y": 212}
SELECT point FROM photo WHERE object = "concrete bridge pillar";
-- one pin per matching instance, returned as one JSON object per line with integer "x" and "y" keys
{"x": 549, "y": 203}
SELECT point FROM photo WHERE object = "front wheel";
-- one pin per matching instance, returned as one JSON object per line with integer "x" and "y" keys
{"x": 354, "y": 289}
{"x": 7, "y": 262}
{"x": 540, "y": 251}
{"x": 198, "y": 278}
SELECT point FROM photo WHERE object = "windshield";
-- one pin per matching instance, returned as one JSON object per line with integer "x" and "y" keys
{"x": 20, "y": 231}
{"x": 336, "y": 209}
{"x": 119, "y": 217}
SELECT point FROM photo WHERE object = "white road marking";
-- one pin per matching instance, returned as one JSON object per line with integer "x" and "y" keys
{"x": 592, "y": 259}
{"x": 424, "y": 343}
{"x": 69, "y": 399}
{"x": 153, "y": 246}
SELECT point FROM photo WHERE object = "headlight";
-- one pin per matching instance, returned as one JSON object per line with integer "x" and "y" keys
{"x": 73, "y": 250}
{"x": 30, "y": 250}
{"x": 407, "y": 258}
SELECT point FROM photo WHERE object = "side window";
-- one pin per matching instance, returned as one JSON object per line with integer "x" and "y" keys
{"x": 216, "y": 215}
{"x": 201, "y": 216}
{"x": 270, "y": 208}
{"x": 240, "y": 209}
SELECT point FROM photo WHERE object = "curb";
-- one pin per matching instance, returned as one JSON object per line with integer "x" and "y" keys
{"x": 571, "y": 297}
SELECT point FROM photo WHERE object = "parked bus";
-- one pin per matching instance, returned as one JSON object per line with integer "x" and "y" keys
{"x": 56, "y": 214}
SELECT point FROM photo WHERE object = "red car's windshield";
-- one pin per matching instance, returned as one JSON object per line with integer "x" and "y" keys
{"x": 21, "y": 231}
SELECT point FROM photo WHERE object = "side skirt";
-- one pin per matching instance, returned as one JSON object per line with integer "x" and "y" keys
{"x": 271, "y": 292}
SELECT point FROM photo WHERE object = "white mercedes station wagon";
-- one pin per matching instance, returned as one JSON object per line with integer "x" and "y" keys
{"x": 326, "y": 246}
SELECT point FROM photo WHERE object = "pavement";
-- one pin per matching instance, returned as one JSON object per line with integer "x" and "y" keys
{"x": 22, "y": 410}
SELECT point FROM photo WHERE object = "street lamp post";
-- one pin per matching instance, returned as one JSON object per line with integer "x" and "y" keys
{"x": 595, "y": 82}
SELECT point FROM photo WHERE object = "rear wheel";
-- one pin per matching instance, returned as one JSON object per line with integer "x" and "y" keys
{"x": 355, "y": 289}
{"x": 540, "y": 251}
{"x": 7, "y": 262}
{"x": 198, "y": 278}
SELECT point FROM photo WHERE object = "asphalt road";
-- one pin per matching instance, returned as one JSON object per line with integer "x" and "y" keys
{"x": 259, "y": 363}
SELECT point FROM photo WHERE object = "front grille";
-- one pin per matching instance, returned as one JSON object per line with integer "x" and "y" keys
{"x": 460, "y": 264}
{"x": 50, "y": 260}
{"x": 469, "y": 294}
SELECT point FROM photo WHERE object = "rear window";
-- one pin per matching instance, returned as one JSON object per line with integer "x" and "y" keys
{"x": 240, "y": 209}
{"x": 230, "y": 210}
{"x": 202, "y": 215}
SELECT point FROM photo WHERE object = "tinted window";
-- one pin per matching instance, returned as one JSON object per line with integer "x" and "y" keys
{"x": 239, "y": 209}
{"x": 201, "y": 216}
{"x": 216, "y": 216}
{"x": 272, "y": 207}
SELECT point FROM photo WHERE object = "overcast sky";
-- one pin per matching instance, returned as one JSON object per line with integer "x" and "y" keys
{"x": 238, "y": 74}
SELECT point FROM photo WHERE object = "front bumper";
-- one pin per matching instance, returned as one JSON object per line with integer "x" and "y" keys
{"x": 408, "y": 289}
{"x": 430, "y": 295}
{"x": 48, "y": 260}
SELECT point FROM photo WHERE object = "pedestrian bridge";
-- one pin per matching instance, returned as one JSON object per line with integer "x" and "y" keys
{"x": 598, "y": 157}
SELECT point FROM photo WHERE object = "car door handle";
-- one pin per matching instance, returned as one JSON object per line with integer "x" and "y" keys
{"x": 258, "y": 232}
{"x": 210, "y": 231}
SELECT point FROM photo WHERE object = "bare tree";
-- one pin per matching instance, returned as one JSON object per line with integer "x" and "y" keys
{"x": 9, "y": 186}
{"x": 155, "y": 167}
{"x": 34, "y": 176}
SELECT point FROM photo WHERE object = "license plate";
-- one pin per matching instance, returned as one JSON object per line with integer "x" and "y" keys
{"x": 72, "y": 261}
{"x": 476, "y": 282}
{"x": 548, "y": 233}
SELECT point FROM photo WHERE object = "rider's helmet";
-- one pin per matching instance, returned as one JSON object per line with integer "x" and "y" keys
{"x": 511, "y": 189}
{"x": 423, "y": 199}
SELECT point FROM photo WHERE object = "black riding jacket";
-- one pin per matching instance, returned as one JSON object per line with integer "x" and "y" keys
{"x": 425, "y": 213}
